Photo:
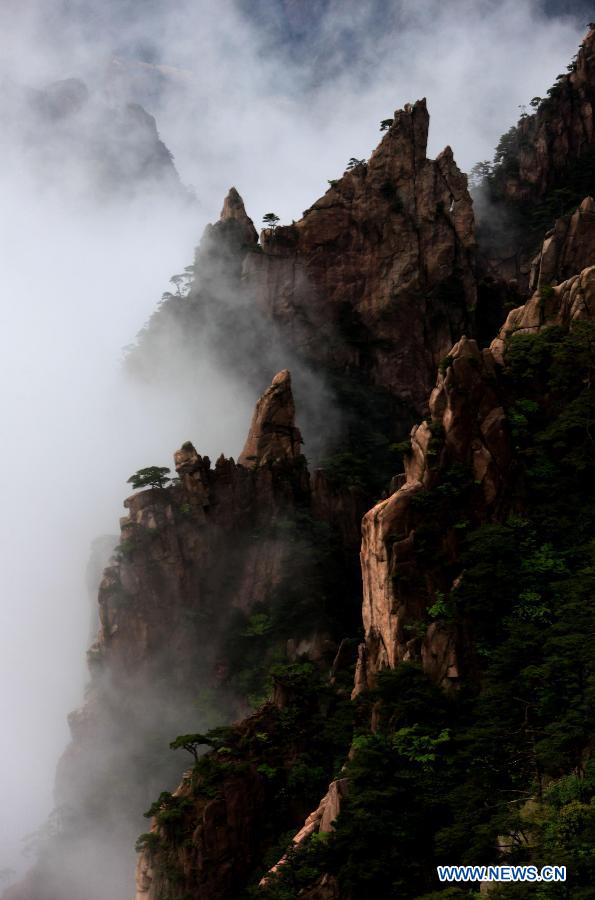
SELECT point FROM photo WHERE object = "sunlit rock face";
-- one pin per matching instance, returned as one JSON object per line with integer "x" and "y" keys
{"x": 571, "y": 301}
{"x": 273, "y": 435}
{"x": 467, "y": 427}
{"x": 567, "y": 249}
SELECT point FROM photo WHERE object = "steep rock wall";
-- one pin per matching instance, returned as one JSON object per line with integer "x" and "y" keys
{"x": 544, "y": 167}
{"x": 467, "y": 431}
{"x": 376, "y": 281}
{"x": 567, "y": 249}
{"x": 560, "y": 132}
{"x": 388, "y": 253}
{"x": 191, "y": 556}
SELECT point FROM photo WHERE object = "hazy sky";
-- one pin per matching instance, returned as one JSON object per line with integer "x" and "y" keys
{"x": 274, "y": 101}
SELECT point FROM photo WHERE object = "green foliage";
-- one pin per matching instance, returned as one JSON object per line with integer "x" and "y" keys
{"x": 355, "y": 163}
{"x": 268, "y": 771}
{"x": 374, "y": 422}
{"x": 346, "y": 468}
{"x": 152, "y": 476}
{"x": 546, "y": 291}
{"x": 316, "y": 595}
{"x": 147, "y": 841}
{"x": 436, "y": 441}
{"x": 442, "y": 608}
{"x": 382, "y": 845}
{"x": 479, "y": 173}
{"x": 501, "y": 771}
{"x": 385, "y": 124}
{"x": 259, "y": 624}
{"x": 445, "y": 364}
{"x": 270, "y": 220}
{"x": 402, "y": 447}
{"x": 191, "y": 743}
{"x": 294, "y": 751}
{"x": 506, "y": 155}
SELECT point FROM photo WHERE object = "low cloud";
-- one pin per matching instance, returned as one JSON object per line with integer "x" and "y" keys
{"x": 275, "y": 107}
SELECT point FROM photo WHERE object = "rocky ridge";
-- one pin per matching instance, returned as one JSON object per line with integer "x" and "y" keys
{"x": 374, "y": 283}
{"x": 560, "y": 132}
{"x": 387, "y": 252}
{"x": 213, "y": 545}
{"x": 461, "y": 471}
{"x": 467, "y": 427}
{"x": 544, "y": 166}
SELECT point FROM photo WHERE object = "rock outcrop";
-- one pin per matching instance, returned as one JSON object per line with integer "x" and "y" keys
{"x": 85, "y": 143}
{"x": 378, "y": 275}
{"x": 467, "y": 427}
{"x": 227, "y": 818}
{"x": 563, "y": 304}
{"x": 544, "y": 167}
{"x": 320, "y": 821}
{"x": 273, "y": 436}
{"x": 559, "y": 133}
{"x": 567, "y": 249}
{"x": 375, "y": 282}
{"x": 192, "y": 555}
{"x": 467, "y": 431}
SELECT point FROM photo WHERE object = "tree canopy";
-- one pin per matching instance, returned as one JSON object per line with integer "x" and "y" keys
{"x": 152, "y": 476}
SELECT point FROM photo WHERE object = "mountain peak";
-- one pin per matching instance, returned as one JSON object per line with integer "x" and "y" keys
{"x": 234, "y": 210}
{"x": 273, "y": 435}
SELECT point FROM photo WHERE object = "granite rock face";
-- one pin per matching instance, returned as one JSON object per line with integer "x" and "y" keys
{"x": 386, "y": 256}
{"x": 560, "y": 132}
{"x": 563, "y": 304}
{"x": 567, "y": 249}
{"x": 90, "y": 146}
{"x": 273, "y": 435}
{"x": 467, "y": 428}
{"x": 375, "y": 281}
{"x": 545, "y": 167}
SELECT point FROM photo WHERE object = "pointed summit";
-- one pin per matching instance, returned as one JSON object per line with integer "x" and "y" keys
{"x": 234, "y": 210}
{"x": 273, "y": 435}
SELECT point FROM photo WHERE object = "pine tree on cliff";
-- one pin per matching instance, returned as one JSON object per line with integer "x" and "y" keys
{"x": 151, "y": 477}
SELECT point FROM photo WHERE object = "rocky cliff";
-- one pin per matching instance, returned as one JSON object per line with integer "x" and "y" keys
{"x": 465, "y": 588}
{"x": 210, "y": 562}
{"x": 377, "y": 277}
{"x": 543, "y": 168}
{"x": 466, "y": 428}
{"x": 361, "y": 297}
{"x": 464, "y": 451}
{"x": 558, "y": 134}
{"x": 462, "y": 727}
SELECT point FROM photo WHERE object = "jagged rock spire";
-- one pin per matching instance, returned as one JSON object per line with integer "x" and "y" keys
{"x": 234, "y": 209}
{"x": 273, "y": 435}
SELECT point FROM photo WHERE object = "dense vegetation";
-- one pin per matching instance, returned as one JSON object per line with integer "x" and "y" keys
{"x": 317, "y": 598}
{"x": 500, "y": 770}
{"x": 283, "y": 757}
